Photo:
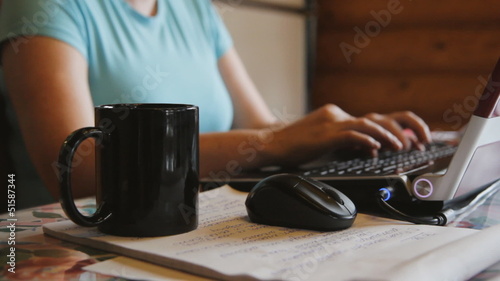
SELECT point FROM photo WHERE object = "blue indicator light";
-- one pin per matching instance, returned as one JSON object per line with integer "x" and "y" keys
{"x": 385, "y": 193}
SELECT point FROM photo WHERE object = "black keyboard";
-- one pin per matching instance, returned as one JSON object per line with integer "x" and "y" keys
{"x": 387, "y": 162}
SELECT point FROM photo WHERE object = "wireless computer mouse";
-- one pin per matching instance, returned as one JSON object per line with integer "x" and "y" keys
{"x": 298, "y": 202}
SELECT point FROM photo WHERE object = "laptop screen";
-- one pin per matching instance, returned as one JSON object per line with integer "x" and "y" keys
{"x": 484, "y": 165}
{"x": 476, "y": 162}
{"x": 488, "y": 105}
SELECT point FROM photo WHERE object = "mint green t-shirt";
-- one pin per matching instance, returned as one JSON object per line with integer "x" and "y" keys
{"x": 167, "y": 58}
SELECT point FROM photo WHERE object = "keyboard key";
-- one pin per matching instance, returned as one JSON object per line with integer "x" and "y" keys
{"x": 387, "y": 162}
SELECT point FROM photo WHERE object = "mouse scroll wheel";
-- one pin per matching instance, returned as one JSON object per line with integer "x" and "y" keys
{"x": 333, "y": 194}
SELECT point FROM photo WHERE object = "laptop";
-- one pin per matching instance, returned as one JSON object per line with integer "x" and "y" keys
{"x": 447, "y": 176}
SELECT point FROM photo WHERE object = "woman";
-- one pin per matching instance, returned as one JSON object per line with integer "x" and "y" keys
{"x": 62, "y": 57}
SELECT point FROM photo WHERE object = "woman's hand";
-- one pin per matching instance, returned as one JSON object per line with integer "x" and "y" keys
{"x": 330, "y": 128}
{"x": 258, "y": 140}
{"x": 398, "y": 124}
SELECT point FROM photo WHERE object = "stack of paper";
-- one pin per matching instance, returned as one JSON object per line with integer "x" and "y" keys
{"x": 228, "y": 246}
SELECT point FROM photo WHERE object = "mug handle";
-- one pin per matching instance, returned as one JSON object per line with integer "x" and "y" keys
{"x": 66, "y": 155}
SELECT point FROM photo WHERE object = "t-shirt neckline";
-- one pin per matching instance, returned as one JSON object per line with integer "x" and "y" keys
{"x": 142, "y": 17}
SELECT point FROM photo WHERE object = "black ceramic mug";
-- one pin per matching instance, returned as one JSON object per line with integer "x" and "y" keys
{"x": 146, "y": 169}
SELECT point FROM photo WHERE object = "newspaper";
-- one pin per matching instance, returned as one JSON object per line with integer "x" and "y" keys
{"x": 228, "y": 246}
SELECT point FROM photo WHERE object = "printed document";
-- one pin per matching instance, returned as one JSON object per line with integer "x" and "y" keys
{"x": 228, "y": 246}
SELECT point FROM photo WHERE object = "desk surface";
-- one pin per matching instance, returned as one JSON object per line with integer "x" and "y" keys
{"x": 41, "y": 257}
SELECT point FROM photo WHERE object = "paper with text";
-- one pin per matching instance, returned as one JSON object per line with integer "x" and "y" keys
{"x": 227, "y": 245}
{"x": 132, "y": 269}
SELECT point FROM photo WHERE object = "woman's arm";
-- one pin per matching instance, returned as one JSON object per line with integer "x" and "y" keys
{"x": 322, "y": 131}
{"x": 51, "y": 98}
{"x": 250, "y": 109}
{"x": 327, "y": 129}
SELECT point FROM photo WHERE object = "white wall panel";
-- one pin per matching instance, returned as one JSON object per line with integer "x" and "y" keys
{"x": 272, "y": 45}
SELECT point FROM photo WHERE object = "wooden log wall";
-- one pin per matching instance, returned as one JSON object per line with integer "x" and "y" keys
{"x": 427, "y": 56}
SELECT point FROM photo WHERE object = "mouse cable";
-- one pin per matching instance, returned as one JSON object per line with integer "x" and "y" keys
{"x": 436, "y": 220}
{"x": 441, "y": 218}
